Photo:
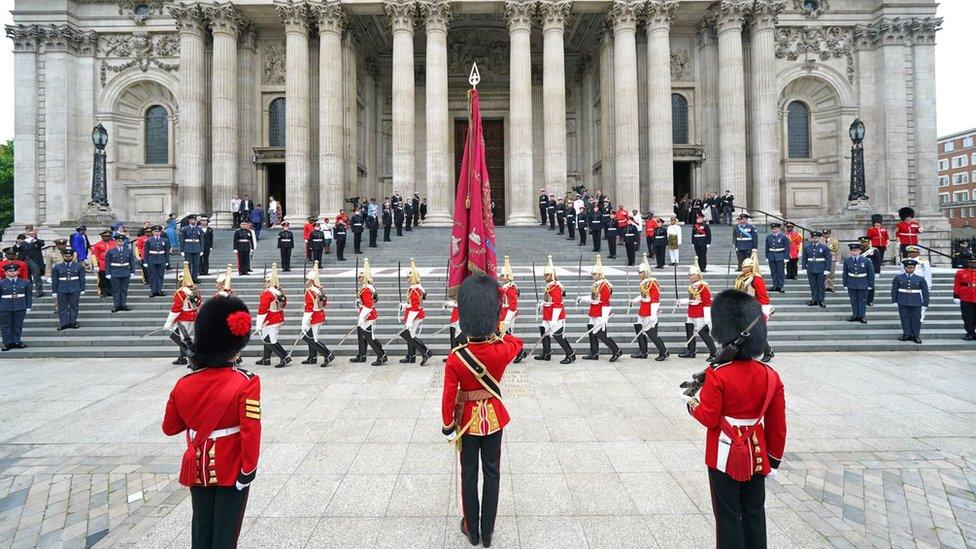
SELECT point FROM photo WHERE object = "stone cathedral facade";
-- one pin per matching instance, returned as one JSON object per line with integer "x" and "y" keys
{"x": 315, "y": 101}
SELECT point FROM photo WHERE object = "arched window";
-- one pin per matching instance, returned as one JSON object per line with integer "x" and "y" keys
{"x": 679, "y": 118}
{"x": 798, "y": 129}
{"x": 157, "y": 135}
{"x": 276, "y": 123}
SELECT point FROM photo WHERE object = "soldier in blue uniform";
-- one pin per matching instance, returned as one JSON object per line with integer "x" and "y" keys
{"x": 120, "y": 265}
{"x": 15, "y": 302}
{"x": 610, "y": 229}
{"x": 910, "y": 292}
{"x": 155, "y": 255}
{"x": 67, "y": 287}
{"x": 858, "y": 279}
{"x": 777, "y": 254}
{"x": 356, "y": 223}
{"x": 746, "y": 238}
{"x": 191, "y": 246}
{"x": 286, "y": 242}
{"x": 816, "y": 259}
{"x": 595, "y": 220}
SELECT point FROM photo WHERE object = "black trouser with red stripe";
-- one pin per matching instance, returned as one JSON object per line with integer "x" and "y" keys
{"x": 740, "y": 515}
{"x": 480, "y": 517}
{"x": 217, "y": 515}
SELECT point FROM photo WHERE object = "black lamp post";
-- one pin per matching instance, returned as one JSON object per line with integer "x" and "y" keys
{"x": 99, "y": 190}
{"x": 857, "y": 161}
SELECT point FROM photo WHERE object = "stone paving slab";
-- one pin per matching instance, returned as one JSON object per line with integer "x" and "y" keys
{"x": 881, "y": 452}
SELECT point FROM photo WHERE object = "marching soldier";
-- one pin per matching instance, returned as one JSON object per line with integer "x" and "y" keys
{"x": 271, "y": 315}
{"x": 924, "y": 269}
{"x": 701, "y": 239}
{"x": 243, "y": 245}
{"x": 878, "y": 236}
{"x": 553, "y": 317}
{"x": 649, "y": 301}
{"x": 186, "y": 301}
{"x": 220, "y": 408}
{"x": 121, "y": 264}
{"x": 15, "y": 302}
{"x": 191, "y": 246}
{"x": 750, "y": 281}
{"x": 741, "y": 403}
{"x": 910, "y": 292}
{"x": 631, "y": 241}
{"x": 286, "y": 243}
{"x": 223, "y": 284}
{"x": 746, "y": 238}
{"x": 67, "y": 287}
{"x": 339, "y": 231}
{"x": 509, "y": 311}
{"x": 599, "y": 302}
{"x": 413, "y": 319}
{"x": 816, "y": 258}
{"x": 208, "y": 241}
{"x": 314, "y": 317}
{"x": 156, "y": 252}
{"x": 98, "y": 261}
{"x": 964, "y": 294}
{"x": 872, "y": 254}
{"x": 858, "y": 278}
{"x": 366, "y": 297}
{"x": 777, "y": 254}
{"x": 699, "y": 319}
{"x": 471, "y": 406}
{"x": 316, "y": 243}
{"x": 453, "y": 325}
{"x": 796, "y": 243}
{"x": 907, "y": 230}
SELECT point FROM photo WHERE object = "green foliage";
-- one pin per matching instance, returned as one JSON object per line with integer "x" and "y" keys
{"x": 6, "y": 184}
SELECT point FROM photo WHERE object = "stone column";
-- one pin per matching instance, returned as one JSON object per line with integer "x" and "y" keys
{"x": 765, "y": 117}
{"x": 606, "y": 114}
{"x": 294, "y": 15}
{"x": 350, "y": 106}
{"x": 249, "y": 123}
{"x": 191, "y": 146}
{"x": 623, "y": 16}
{"x": 437, "y": 15}
{"x": 225, "y": 23}
{"x": 658, "y": 15}
{"x": 587, "y": 137}
{"x": 332, "y": 20}
{"x": 401, "y": 14}
{"x": 926, "y": 138}
{"x": 554, "y": 15}
{"x": 867, "y": 79}
{"x": 893, "y": 109}
{"x": 25, "y": 39}
{"x": 60, "y": 122}
{"x": 707, "y": 111}
{"x": 519, "y": 15}
{"x": 731, "y": 98}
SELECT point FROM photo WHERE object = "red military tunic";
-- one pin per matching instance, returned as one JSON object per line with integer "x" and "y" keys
{"x": 756, "y": 287}
{"x": 651, "y": 293}
{"x": 649, "y": 226}
{"x": 796, "y": 239}
{"x": 314, "y": 305}
{"x": 879, "y": 237}
{"x": 269, "y": 305}
{"x": 907, "y": 232}
{"x": 99, "y": 249}
{"x": 601, "y": 291}
{"x": 510, "y": 295}
{"x": 367, "y": 300}
{"x": 554, "y": 300}
{"x": 415, "y": 303}
{"x": 186, "y": 301}
{"x": 490, "y": 414}
{"x": 964, "y": 286}
{"x": 737, "y": 390}
{"x": 455, "y": 315}
{"x": 235, "y": 452}
{"x": 23, "y": 272}
{"x": 700, "y": 297}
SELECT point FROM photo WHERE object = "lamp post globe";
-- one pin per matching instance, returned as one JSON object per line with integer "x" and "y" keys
{"x": 99, "y": 136}
{"x": 858, "y": 185}
{"x": 857, "y": 131}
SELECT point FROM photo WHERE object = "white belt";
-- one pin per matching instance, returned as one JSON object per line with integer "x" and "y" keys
{"x": 817, "y": 259}
{"x": 903, "y": 290}
{"x": 777, "y": 249}
{"x": 14, "y": 296}
{"x": 119, "y": 264}
{"x": 219, "y": 433}
{"x": 69, "y": 278}
{"x": 743, "y": 238}
{"x": 862, "y": 275}
{"x": 248, "y": 241}
{"x": 157, "y": 251}
{"x": 191, "y": 240}
{"x": 316, "y": 240}
{"x": 741, "y": 422}
{"x": 704, "y": 235}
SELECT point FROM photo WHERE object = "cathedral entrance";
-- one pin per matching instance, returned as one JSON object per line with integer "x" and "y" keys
{"x": 494, "y": 131}
{"x": 276, "y": 187}
{"x": 682, "y": 179}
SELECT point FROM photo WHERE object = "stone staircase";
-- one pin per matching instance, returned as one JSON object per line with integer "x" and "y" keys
{"x": 795, "y": 327}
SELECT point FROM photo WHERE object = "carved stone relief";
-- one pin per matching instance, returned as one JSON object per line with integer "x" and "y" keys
{"x": 142, "y": 49}
{"x": 823, "y": 43}
{"x": 478, "y": 45}
{"x": 274, "y": 64}
{"x": 680, "y": 65}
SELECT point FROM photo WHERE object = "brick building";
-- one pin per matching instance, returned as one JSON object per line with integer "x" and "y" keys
{"x": 957, "y": 179}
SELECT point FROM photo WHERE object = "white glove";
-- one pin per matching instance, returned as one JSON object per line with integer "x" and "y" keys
{"x": 956, "y": 301}
{"x": 108, "y": 276}
{"x": 579, "y": 299}
{"x": 306, "y": 321}
{"x": 773, "y": 473}
{"x": 259, "y": 323}
{"x": 683, "y": 302}
{"x": 55, "y": 296}
{"x": 182, "y": 254}
{"x": 363, "y": 313}
{"x": 687, "y": 399}
{"x": 28, "y": 310}
{"x": 636, "y": 299}
{"x": 235, "y": 250}
{"x": 170, "y": 321}
{"x": 82, "y": 293}
{"x": 240, "y": 486}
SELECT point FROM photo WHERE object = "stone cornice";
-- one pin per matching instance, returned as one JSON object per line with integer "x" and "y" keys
{"x": 624, "y": 15}
{"x": 519, "y": 14}
{"x": 554, "y": 14}
{"x": 189, "y": 18}
{"x": 437, "y": 15}
{"x": 224, "y": 18}
{"x": 66, "y": 38}
{"x": 924, "y": 29}
{"x": 658, "y": 13}
{"x": 24, "y": 37}
{"x": 330, "y": 17}
{"x": 765, "y": 13}
{"x": 729, "y": 15}
{"x": 897, "y": 31}
{"x": 402, "y": 15}
{"x": 294, "y": 15}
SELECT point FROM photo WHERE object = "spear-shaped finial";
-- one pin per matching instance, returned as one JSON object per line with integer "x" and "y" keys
{"x": 475, "y": 76}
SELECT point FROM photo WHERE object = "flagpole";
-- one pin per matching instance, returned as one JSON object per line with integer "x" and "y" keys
{"x": 473, "y": 79}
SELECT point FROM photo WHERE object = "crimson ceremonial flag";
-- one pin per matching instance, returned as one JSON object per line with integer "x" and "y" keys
{"x": 473, "y": 236}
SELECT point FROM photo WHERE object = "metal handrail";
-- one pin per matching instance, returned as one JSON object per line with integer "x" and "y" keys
{"x": 774, "y": 216}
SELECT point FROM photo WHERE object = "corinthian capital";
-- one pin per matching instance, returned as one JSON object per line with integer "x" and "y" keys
{"x": 437, "y": 15}
{"x": 330, "y": 17}
{"x": 189, "y": 18}
{"x": 624, "y": 15}
{"x": 658, "y": 13}
{"x": 519, "y": 14}
{"x": 24, "y": 37}
{"x": 765, "y": 13}
{"x": 402, "y": 15}
{"x": 554, "y": 14}
{"x": 728, "y": 15}
{"x": 224, "y": 18}
{"x": 293, "y": 14}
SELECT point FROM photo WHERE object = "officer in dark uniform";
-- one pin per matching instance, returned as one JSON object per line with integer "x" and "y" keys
{"x": 561, "y": 216}
{"x": 746, "y": 238}
{"x": 777, "y": 254}
{"x": 373, "y": 225}
{"x": 543, "y": 207}
{"x": 156, "y": 254}
{"x": 858, "y": 279}
{"x": 339, "y": 232}
{"x": 816, "y": 258}
{"x": 398, "y": 216}
{"x": 415, "y": 208}
{"x": 208, "y": 242}
{"x": 408, "y": 215}
{"x": 316, "y": 243}
{"x": 631, "y": 238}
{"x": 701, "y": 239}
{"x": 472, "y": 411}
{"x": 581, "y": 225}
{"x": 910, "y": 292}
{"x": 121, "y": 263}
{"x": 387, "y": 222}
{"x": 286, "y": 243}
{"x": 191, "y": 246}
{"x": 551, "y": 212}
{"x": 357, "y": 223}
{"x": 15, "y": 303}
{"x": 571, "y": 220}
{"x": 243, "y": 244}
{"x": 660, "y": 243}
{"x": 67, "y": 287}
{"x": 610, "y": 227}
{"x": 595, "y": 220}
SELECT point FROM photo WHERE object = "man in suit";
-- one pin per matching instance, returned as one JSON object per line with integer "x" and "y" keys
{"x": 415, "y": 207}
{"x": 245, "y": 209}
{"x": 208, "y": 240}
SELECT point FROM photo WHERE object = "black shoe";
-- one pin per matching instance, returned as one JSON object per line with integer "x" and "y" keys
{"x": 180, "y": 362}
{"x": 822, "y": 305}
{"x": 782, "y": 291}
{"x": 472, "y": 536}
{"x": 486, "y": 539}
{"x": 521, "y": 356}
{"x": 767, "y": 358}
{"x": 638, "y": 355}
{"x": 115, "y": 310}
{"x": 852, "y": 319}
{"x": 62, "y": 328}
{"x": 74, "y": 326}
{"x": 686, "y": 354}
{"x": 328, "y": 360}
{"x": 915, "y": 339}
{"x": 284, "y": 362}
{"x": 569, "y": 359}
{"x": 616, "y": 356}
{"x": 543, "y": 356}
{"x": 591, "y": 357}
{"x": 426, "y": 357}
{"x": 710, "y": 358}
{"x": 126, "y": 308}
{"x": 831, "y": 290}
{"x": 969, "y": 337}
{"x": 309, "y": 360}
{"x": 662, "y": 357}
{"x": 379, "y": 360}
{"x": 358, "y": 358}
{"x": 812, "y": 303}
{"x": 408, "y": 360}
{"x": 263, "y": 362}
{"x": 5, "y": 348}
{"x": 862, "y": 320}
{"x": 903, "y": 338}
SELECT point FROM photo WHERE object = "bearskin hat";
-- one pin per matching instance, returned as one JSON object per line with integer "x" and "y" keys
{"x": 732, "y": 312}
{"x": 478, "y": 306}
{"x": 905, "y": 213}
{"x": 222, "y": 328}
{"x": 877, "y": 218}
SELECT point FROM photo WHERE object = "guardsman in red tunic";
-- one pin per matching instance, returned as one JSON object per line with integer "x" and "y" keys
{"x": 907, "y": 230}
{"x": 878, "y": 235}
{"x": 964, "y": 293}
{"x": 186, "y": 301}
{"x": 699, "y": 303}
{"x": 98, "y": 251}
{"x": 796, "y": 243}
{"x": 554, "y": 316}
{"x": 599, "y": 302}
{"x": 750, "y": 281}
{"x": 741, "y": 403}
{"x": 223, "y": 283}
{"x": 413, "y": 319}
{"x": 219, "y": 408}
{"x": 649, "y": 302}
{"x": 366, "y": 297}
{"x": 271, "y": 315}
{"x": 509, "y": 312}
{"x": 471, "y": 406}
{"x": 314, "y": 317}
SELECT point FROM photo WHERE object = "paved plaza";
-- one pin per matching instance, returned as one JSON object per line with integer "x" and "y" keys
{"x": 881, "y": 452}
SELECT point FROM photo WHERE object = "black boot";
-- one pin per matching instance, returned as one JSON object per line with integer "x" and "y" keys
{"x": 768, "y": 353}
{"x": 422, "y": 350}
{"x": 327, "y": 354}
{"x": 662, "y": 351}
{"x": 641, "y": 342}
{"x": 709, "y": 342}
{"x": 381, "y": 357}
{"x": 594, "y": 348}
{"x": 312, "y": 349}
{"x": 689, "y": 352}
{"x": 546, "y": 349}
{"x": 285, "y": 360}
{"x": 265, "y": 353}
{"x": 411, "y": 351}
{"x": 567, "y": 349}
{"x": 361, "y": 342}
{"x": 615, "y": 352}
